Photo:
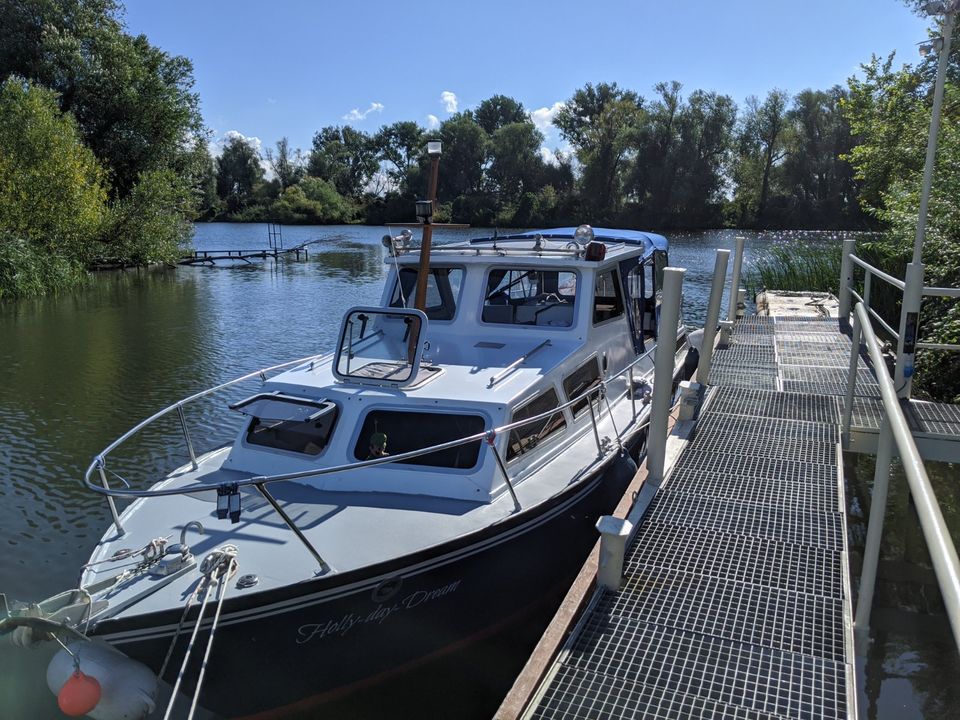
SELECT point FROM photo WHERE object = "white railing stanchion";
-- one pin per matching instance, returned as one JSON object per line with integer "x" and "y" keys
{"x": 713, "y": 316}
{"x": 878, "y": 507}
{"x": 846, "y": 278}
{"x": 909, "y": 329}
{"x": 851, "y": 382}
{"x": 735, "y": 279}
{"x": 663, "y": 372}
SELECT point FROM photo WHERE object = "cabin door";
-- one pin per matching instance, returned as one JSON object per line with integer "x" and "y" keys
{"x": 631, "y": 275}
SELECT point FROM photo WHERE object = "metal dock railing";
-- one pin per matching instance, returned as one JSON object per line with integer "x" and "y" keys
{"x": 735, "y": 598}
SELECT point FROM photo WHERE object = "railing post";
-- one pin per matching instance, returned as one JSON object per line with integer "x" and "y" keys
{"x": 851, "y": 382}
{"x": 102, "y": 464}
{"x": 492, "y": 443}
{"x": 909, "y": 329}
{"x": 713, "y": 316}
{"x": 663, "y": 371}
{"x": 867, "y": 284}
{"x": 878, "y": 507}
{"x": 735, "y": 279}
{"x": 846, "y": 278}
{"x": 186, "y": 437}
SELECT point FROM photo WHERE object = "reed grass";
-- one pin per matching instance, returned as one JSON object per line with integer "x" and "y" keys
{"x": 798, "y": 267}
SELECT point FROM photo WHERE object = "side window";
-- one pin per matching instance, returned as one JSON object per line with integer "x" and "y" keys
{"x": 443, "y": 289}
{"x": 527, "y": 437}
{"x": 394, "y": 432}
{"x": 584, "y": 378}
{"x": 607, "y": 297}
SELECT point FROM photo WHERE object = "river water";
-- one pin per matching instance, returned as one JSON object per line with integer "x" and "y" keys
{"x": 80, "y": 369}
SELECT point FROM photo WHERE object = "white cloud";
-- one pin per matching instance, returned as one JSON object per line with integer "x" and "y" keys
{"x": 550, "y": 155}
{"x": 449, "y": 101}
{"x": 218, "y": 144}
{"x": 356, "y": 114}
{"x": 432, "y": 122}
{"x": 543, "y": 117}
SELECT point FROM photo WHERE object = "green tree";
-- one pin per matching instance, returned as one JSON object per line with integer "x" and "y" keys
{"x": 464, "y": 157}
{"x": 515, "y": 163}
{"x": 287, "y": 164}
{"x": 238, "y": 173}
{"x": 51, "y": 187}
{"x": 344, "y": 156}
{"x": 399, "y": 146}
{"x": 762, "y": 145}
{"x": 498, "y": 111}
{"x": 599, "y": 121}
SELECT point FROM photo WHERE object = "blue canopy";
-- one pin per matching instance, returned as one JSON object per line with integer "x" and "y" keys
{"x": 650, "y": 241}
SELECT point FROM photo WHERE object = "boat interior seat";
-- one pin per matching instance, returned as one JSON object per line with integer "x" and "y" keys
{"x": 498, "y": 314}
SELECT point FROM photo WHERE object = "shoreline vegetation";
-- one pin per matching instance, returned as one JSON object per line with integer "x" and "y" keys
{"x": 105, "y": 160}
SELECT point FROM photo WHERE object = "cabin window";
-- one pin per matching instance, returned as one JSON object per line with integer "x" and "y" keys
{"x": 443, "y": 290}
{"x": 530, "y": 296}
{"x": 308, "y": 436}
{"x": 527, "y": 437}
{"x": 394, "y": 432}
{"x": 607, "y": 297}
{"x": 584, "y": 378}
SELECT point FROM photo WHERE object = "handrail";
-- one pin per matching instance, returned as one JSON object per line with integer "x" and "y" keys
{"x": 943, "y": 553}
{"x": 879, "y": 273}
{"x": 516, "y": 363}
{"x": 98, "y": 462}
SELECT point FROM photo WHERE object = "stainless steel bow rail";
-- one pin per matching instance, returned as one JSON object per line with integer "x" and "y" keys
{"x": 227, "y": 493}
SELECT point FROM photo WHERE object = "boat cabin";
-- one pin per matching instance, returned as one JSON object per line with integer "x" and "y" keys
{"x": 513, "y": 327}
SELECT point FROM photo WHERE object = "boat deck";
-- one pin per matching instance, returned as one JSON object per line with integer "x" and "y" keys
{"x": 736, "y": 600}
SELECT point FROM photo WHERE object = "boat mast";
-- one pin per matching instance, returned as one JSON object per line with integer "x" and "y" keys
{"x": 426, "y": 215}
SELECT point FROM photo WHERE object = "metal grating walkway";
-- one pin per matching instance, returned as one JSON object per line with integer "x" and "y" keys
{"x": 736, "y": 600}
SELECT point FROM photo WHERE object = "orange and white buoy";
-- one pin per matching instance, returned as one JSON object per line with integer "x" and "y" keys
{"x": 79, "y": 694}
{"x": 94, "y": 679}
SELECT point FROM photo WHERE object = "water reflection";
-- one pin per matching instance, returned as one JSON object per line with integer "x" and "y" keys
{"x": 911, "y": 652}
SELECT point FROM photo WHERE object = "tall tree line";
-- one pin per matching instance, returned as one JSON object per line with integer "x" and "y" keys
{"x": 672, "y": 160}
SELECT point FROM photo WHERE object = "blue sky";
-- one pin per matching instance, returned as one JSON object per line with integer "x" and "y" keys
{"x": 290, "y": 67}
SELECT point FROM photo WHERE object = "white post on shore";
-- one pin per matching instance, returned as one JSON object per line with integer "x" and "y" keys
{"x": 663, "y": 372}
{"x": 713, "y": 316}
{"x": 735, "y": 280}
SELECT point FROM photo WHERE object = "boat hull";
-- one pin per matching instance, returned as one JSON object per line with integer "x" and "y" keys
{"x": 298, "y": 648}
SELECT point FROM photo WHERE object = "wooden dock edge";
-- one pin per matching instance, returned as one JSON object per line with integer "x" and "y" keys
{"x": 529, "y": 680}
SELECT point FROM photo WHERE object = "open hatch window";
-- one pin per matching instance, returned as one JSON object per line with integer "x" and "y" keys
{"x": 527, "y": 437}
{"x": 288, "y": 422}
{"x": 443, "y": 290}
{"x": 583, "y": 379}
{"x": 394, "y": 432}
{"x": 530, "y": 296}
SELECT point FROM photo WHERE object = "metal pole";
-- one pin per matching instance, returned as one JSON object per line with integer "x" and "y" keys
{"x": 851, "y": 382}
{"x": 946, "y": 35}
{"x": 909, "y": 329}
{"x": 420, "y": 299}
{"x": 913, "y": 292}
{"x": 113, "y": 505}
{"x": 292, "y": 525}
{"x": 663, "y": 371}
{"x": 878, "y": 506}
{"x": 713, "y": 316}
{"x": 186, "y": 436}
{"x": 596, "y": 431}
{"x": 846, "y": 277}
{"x": 867, "y": 284}
{"x": 735, "y": 280}
{"x": 943, "y": 554}
{"x": 633, "y": 399}
{"x": 503, "y": 469}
